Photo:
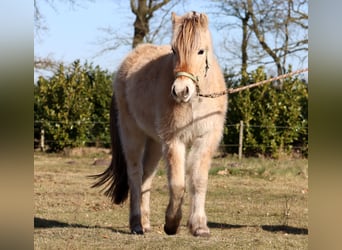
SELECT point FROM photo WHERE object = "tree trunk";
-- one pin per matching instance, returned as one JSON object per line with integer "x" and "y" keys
{"x": 143, "y": 11}
{"x": 141, "y": 25}
{"x": 244, "y": 46}
{"x": 261, "y": 39}
{"x": 141, "y": 29}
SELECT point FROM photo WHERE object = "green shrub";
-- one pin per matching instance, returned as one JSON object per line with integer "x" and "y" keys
{"x": 275, "y": 117}
{"x": 72, "y": 107}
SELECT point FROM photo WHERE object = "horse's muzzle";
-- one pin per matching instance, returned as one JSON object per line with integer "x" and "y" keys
{"x": 182, "y": 95}
{"x": 182, "y": 90}
{"x": 184, "y": 87}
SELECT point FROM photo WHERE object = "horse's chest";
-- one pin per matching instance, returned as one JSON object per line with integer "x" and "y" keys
{"x": 188, "y": 122}
{"x": 200, "y": 121}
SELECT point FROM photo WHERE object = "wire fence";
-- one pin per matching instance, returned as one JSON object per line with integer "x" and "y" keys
{"x": 41, "y": 142}
{"x": 107, "y": 124}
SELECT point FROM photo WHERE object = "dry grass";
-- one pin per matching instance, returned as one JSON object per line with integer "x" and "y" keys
{"x": 252, "y": 204}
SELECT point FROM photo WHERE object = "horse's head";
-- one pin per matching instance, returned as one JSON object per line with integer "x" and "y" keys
{"x": 191, "y": 43}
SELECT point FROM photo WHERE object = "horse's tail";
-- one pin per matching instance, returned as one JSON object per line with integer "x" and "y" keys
{"x": 115, "y": 176}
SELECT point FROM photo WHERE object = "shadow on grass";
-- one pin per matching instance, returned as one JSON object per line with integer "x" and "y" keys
{"x": 270, "y": 228}
{"x": 223, "y": 225}
{"x": 285, "y": 229}
{"x": 47, "y": 223}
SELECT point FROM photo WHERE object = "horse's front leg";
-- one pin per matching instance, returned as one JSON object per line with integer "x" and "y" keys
{"x": 175, "y": 158}
{"x": 199, "y": 161}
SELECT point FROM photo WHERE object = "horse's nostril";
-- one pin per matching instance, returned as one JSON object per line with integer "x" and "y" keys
{"x": 174, "y": 91}
{"x": 181, "y": 94}
{"x": 187, "y": 91}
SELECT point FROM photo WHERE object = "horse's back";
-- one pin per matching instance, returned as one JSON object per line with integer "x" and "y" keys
{"x": 142, "y": 81}
{"x": 141, "y": 61}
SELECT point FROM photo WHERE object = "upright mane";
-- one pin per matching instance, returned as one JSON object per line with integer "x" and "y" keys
{"x": 187, "y": 32}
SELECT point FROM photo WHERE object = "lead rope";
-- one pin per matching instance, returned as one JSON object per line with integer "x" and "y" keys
{"x": 232, "y": 90}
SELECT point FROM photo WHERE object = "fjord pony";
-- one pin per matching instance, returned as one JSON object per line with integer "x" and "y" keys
{"x": 157, "y": 111}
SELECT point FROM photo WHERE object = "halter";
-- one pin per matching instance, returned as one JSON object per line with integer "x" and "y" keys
{"x": 189, "y": 75}
{"x": 194, "y": 78}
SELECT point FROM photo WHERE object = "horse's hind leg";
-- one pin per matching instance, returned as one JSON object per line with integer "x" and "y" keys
{"x": 152, "y": 156}
{"x": 133, "y": 142}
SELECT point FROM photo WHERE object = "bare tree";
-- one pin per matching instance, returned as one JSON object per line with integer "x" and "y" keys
{"x": 39, "y": 18}
{"x": 273, "y": 29}
{"x": 159, "y": 27}
{"x": 143, "y": 11}
{"x": 275, "y": 17}
{"x": 144, "y": 29}
{"x": 40, "y": 28}
{"x": 238, "y": 9}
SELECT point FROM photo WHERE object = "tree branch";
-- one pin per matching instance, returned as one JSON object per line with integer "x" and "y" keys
{"x": 261, "y": 37}
{"x": 157, "y": 6}
{"x": 134, "y": 8}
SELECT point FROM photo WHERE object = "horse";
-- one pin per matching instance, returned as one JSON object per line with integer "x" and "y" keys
{"x": 157, "y": 111}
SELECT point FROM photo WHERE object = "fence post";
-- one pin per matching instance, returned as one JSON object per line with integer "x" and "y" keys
{"x": 240, "y": 140}
{"x": 42, "y": 140}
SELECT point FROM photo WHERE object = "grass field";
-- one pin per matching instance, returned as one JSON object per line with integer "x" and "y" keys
{"x": 251, "y": 204}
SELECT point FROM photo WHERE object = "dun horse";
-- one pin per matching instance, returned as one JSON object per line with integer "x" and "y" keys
{"x": 157, "y": 111}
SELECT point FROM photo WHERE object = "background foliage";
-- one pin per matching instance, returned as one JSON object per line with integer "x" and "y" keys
{"x": 72, "y": 107}
{"x": 275, "y": 116}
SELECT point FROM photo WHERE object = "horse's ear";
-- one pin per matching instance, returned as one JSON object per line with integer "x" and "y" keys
{"x": 204, "y": 20}
{"x": 174, "y": 18}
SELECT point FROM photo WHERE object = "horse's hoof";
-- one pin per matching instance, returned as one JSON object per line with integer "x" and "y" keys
{"x": 170, "y": 231}
{"x": 202, "y": 232}
{"x": 137, "y": 230}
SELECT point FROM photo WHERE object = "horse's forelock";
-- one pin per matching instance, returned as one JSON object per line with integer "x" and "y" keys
{"x": 187, "y": 37}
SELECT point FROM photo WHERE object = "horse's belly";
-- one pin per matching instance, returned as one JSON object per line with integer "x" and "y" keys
{"x": 148, "y": 128}
{"x": 144, "y": 116}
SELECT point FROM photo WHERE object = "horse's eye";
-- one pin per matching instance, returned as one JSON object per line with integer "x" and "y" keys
{"x": 200, "y": 52}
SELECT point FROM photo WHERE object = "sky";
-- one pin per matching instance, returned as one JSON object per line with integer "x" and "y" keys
{"x": 74, "y": 31}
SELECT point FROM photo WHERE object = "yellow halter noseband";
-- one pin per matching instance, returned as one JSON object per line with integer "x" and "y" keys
{"x": 189, "y": 75}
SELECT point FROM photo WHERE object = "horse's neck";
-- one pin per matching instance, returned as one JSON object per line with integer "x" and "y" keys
{"x": 213, "y": 81}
